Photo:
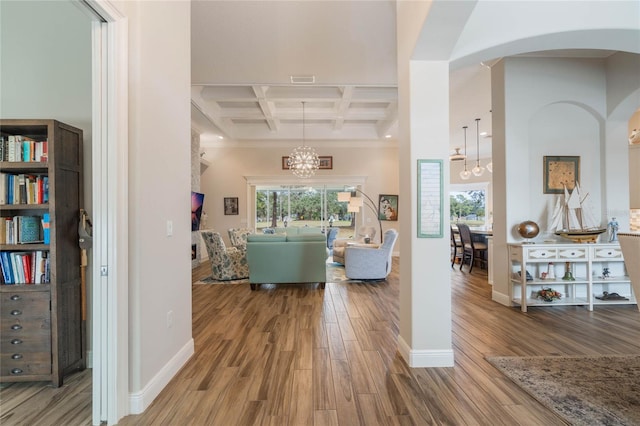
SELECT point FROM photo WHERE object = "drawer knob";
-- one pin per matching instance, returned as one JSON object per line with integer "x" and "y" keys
{"x": 15, "y": 297}
{"x": 16, "y": 356}
{"x": 16, "y": 341}
{"x": 16, "y": 312}
{"x": 16, "y": 327}
{"x": 16, "y": 371}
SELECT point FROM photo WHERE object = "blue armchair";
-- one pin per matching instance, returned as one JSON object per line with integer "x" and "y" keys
{"x": 366, "y": 263}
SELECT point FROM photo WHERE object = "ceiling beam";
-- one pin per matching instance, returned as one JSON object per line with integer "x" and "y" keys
{"x": 266, "y": 107}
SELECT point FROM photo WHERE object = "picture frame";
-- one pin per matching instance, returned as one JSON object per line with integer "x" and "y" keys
{"x": 326, "y": 162}
{"x": 231, "y": 206}
{"x": 430, "y": 199}
{"x": 285, "y": 162}
{"x": 560, "y": 171}
{"x": 388, "y": 207}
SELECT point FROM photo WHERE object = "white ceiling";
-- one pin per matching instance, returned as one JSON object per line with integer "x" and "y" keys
{"x": 244, "y": 54}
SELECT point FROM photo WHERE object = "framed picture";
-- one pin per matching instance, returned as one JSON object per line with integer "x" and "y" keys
{"x": 326, "y": 162}
{"x": 559, "y": 172}
{"x": 430, "y": 199}
{"x": 230, "y": 205}
{"x": 285, "y": 163}
{"x": 388, "y": 207}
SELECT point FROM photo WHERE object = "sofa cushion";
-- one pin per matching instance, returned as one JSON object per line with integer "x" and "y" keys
{"x": 272, "y": 238}
{"x": 306, "y": 237}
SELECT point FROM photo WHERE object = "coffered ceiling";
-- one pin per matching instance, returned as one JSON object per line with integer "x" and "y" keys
{"x": 254, "y": 64}
{"x": 275, "y": 112}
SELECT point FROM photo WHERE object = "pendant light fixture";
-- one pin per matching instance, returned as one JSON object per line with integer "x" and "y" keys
{"x": 303, "y": 160}
{"x": 465, "y": 174}
{"x": 478, "y": 170}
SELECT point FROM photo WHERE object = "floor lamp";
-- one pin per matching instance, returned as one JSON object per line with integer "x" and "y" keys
{"x": 356, "y": 202}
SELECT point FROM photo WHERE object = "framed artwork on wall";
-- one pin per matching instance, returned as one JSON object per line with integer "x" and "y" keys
{"x": 560, "y": 171}
{"x": 230, "y": 205}
{"x": 430, "y": 199}
{"x": 388, "y": 207}
{"x": 326, "y": 162}
{"x": 285, "y": 162}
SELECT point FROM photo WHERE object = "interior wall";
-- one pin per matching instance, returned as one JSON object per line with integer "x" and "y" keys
{"x": 564, "y": 113}
{"x": 159, "y": 195}
{"x": 230, "y": 165}
{"x": 41, "y": 80}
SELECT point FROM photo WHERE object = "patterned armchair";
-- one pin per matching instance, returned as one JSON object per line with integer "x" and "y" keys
{"x": 363, "y": 263}
{"x": 226, "y": 263}
{"x": 238, "y": 237}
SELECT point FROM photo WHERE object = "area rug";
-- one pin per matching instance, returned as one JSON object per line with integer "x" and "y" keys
{"x": 584, "y": 390}
{"x": 335, "y": 274}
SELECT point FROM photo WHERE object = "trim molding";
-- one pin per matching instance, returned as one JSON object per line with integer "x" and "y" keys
{"x": 139, "y": 401}
{"x": 500, "y": 298}
{"x": 425, "y": 358}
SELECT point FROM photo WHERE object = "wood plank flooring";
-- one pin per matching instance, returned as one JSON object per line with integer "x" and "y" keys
{"x": 297, "y": 355}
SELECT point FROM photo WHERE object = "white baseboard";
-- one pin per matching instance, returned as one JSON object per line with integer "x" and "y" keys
{"x": 139, "y": 401}
{"x": 425, "y": 358}
{"x": 501, "y": 298}
{"x": 89, "y": 359}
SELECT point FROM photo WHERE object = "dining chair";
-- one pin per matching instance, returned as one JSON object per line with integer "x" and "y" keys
{"x": 456, "y": 247}
{"x": 470, "y": 249}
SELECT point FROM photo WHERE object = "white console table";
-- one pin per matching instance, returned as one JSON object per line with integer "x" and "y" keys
{"x": 586, "y": 264}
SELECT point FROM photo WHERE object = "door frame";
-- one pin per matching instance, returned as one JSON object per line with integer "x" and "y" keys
{"x": 109, "y": 302}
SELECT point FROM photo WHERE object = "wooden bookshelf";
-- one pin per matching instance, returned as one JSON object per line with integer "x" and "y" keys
{"x": 42, "y": 329}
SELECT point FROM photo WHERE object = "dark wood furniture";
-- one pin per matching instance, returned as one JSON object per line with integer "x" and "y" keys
{"x": 472, "y": 250}
{"x": 42, "y": 325}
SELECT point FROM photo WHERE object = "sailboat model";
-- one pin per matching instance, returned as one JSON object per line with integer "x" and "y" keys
{"x": 572, "y": 217}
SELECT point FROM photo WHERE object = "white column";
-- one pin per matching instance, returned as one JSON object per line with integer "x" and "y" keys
{"x": 425, "y": 287}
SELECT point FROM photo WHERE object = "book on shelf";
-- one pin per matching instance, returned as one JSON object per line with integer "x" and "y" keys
{"x": 16, "y": 148}
{"x": 30, "y": 230}
{"x": 46, "y": 234}
{"x": 3, "y": 187}
{"x": 25, "y": 267}
{"x": 7, "y": 271}
{"x": 24, "y": 188}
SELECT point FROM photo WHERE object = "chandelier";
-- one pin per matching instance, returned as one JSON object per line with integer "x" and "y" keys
{"x": 303, "y": 160}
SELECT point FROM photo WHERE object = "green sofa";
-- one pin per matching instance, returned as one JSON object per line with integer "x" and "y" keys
{"x": 282, "y": 258}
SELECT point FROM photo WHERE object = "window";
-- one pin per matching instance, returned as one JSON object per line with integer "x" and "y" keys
{"x": 301, "y": 205}
{"x": 468, "y": 204}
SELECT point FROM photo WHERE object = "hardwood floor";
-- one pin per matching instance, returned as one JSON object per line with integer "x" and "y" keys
{"x": 298, "y": 355}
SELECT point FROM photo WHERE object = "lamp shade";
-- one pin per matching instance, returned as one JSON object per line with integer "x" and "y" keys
{"x": 344, "y": 197}
{"x": 356, "y": 201}
{"x": 352, "y": 208}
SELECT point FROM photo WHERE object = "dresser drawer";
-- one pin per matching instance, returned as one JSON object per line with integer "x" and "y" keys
{"x": 25, "y": 342}
{"x": 541, "y": 253}
{"x": 17, "y": 364}
{"x": 24, "y": 304}
{"x": 607, "y": 253}
{"x": 572, "y": 254}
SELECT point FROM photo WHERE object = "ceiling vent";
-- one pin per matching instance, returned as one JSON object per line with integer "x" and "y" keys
{"x": 303, "y": 79}
{"x": 457, "y": 156}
